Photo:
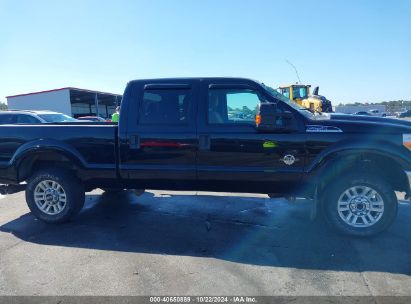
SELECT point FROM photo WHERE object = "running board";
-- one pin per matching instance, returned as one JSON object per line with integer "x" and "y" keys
{"x": 10, "y": 189}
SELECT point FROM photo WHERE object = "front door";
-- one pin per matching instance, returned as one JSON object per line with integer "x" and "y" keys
{"x": 232, "y": 152}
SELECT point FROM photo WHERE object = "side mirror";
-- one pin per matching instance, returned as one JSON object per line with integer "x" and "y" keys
{"x": 270, "y": 119}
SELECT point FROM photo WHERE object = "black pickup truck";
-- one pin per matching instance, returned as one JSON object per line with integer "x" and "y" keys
{"x": 216, "y": 134}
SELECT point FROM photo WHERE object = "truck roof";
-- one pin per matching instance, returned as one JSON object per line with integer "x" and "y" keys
{"x": 196, "y": 78}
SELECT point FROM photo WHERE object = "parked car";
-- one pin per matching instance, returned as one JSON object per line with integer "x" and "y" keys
{"x": 362, "y": 113}
{"x": 404, "y": 114}
{"x": 176, "y": 134}
{"x": 91, "y": 118}
{"x": 32, "y": 117}
{"x": 376, "y": 112}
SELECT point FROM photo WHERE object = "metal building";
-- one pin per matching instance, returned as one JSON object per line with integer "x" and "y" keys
{"x": 71, "y": 101}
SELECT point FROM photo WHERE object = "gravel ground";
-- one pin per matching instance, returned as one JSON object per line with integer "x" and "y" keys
{"x": 176, "y": 243}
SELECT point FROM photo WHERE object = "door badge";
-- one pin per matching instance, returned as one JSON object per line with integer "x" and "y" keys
{"x": 288, "y": 159}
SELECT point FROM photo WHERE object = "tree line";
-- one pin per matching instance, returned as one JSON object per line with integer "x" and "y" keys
{"x": 391, "y": 106}
{"x": 3, "y": 106}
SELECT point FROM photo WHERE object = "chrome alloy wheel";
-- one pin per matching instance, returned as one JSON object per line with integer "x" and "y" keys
{"x": 50, "y": 197}
{"x": 360, "y": 206}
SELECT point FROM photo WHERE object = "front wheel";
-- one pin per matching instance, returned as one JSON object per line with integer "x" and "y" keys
{"x": 361, "y": 206}
{"x": 54, "y": 196}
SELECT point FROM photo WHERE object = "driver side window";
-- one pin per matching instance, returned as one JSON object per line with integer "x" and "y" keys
{"x": 232, "y": 106}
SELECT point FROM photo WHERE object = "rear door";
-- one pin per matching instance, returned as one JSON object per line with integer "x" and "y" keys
{"x": 6, "y": 119}
{"x": 232, "y": 153}
{"x": 161, "y": 144}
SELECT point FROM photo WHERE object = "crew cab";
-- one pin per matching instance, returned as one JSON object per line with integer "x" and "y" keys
{"x": 216, "y": 134}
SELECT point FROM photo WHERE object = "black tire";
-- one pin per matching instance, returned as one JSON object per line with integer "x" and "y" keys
{"x": 72, "y": 187}
{"x": 336, "y": 190}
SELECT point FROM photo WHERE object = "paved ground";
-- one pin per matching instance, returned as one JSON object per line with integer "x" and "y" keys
{"x": 175, "y": 243}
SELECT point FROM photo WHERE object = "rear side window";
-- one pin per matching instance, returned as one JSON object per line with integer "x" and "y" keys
{"x": 165, "y": 106}
{"x": 8, "y": 119}
{"x": 27, "y": 119}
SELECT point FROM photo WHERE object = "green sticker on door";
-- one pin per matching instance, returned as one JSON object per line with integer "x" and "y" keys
{"x": 270, "y": 144}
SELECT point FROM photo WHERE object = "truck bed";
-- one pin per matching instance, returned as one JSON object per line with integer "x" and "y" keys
{"x": 92, "y": 146}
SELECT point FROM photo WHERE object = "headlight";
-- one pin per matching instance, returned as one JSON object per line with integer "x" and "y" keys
{"x": 406, "y": 141}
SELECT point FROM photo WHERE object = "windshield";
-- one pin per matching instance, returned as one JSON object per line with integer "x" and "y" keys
{"x": 300, "y": 92}
{"x": 57, "y": 118}
{"x": 284, "y": 99}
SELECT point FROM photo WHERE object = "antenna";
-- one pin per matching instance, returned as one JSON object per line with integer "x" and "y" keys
{"x": 295, "y": 69}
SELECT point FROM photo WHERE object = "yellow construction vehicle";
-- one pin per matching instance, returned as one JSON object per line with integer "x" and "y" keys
{"x": 300, "y": 94}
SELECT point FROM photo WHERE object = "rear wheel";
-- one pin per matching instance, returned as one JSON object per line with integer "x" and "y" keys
{"x": 362, "y": 206}
{"x": 54, "y": 196}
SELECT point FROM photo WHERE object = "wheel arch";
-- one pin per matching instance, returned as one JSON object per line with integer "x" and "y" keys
{"x": 354, "y": 162}
{"x": 42, "y": 154}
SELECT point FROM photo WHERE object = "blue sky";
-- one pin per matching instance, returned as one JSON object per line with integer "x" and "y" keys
{"x": 355, "y": 50}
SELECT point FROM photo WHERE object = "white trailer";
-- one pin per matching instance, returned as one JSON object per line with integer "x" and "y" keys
{"x": 70, "y": 101}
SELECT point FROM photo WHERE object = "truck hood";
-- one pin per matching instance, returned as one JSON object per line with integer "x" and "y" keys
{"x": 364, "y": 124}
{"x": 336, "y": 116}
